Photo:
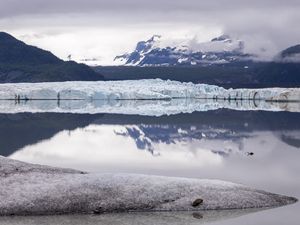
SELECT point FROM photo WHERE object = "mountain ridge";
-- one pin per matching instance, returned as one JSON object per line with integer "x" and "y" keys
{"x": 13, "y": 50}
{"x": 222, "y": 49}
{"x": 20, "y": 62}
{"x": 291, "y": 54}
{"x": 219, "y": 50}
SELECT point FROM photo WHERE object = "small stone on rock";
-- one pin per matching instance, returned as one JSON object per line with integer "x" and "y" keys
{"x": 98, "y": 210}
{"x": 197, "y": 202}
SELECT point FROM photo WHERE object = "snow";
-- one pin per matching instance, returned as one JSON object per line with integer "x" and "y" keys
{"x": 144, "y": 97}
{"x": 192, "y": 44}
{"x": 27, "y": 189}
{"x": 183, "y": 60}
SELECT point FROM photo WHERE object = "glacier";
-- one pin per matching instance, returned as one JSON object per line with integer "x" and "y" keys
{"x": 143, "y": 97}
{"x": 28, "y": 189}
{"x": 151, "y": 89}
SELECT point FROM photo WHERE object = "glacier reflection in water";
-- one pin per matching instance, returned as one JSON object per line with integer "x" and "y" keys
{"x": 143, "y": 107}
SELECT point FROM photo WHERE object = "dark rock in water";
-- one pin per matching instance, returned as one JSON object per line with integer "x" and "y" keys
{"x": 197, "y": 216}
{"x": 197, "y": 202}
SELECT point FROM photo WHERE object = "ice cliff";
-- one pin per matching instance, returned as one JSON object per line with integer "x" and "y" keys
{"x": 151, "y": 89}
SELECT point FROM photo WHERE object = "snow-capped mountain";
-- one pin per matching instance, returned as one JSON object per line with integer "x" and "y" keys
{"x": 160, "y": 52}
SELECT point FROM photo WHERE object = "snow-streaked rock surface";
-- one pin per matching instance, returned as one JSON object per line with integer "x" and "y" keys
{"x": 27, "y": 189}
{"x": 162, "y": 51}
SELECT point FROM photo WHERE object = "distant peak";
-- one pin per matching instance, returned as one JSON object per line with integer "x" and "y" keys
{"x": 155, "y": 37}
{"x": 223, "y": 37}
{"x": 291, "y": 54}
{"x": 4, "y": 34}
{"x": 15, "y": 51}
{"x": 291, "y": 51}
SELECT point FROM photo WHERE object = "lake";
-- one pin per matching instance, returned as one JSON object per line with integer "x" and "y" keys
{"x": 260, "y": 149}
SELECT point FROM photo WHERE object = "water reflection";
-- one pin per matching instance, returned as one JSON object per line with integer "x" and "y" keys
{"x": 259, "y": 149}
{"x": 102, "y": 148}
{"x": 145, "y": 136}
{"x": 143, "y": 107}
{"x": 130, "y": 218}
{"x": 218, "y": 150}
{"x": 143, "y": 149}
{"x": 20, "y": 130}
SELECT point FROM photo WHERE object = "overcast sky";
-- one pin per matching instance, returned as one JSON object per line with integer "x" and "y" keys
{"x": 104, "y": 28}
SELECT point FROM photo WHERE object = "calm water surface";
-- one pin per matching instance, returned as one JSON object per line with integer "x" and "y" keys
{"x": 259, "y": 149}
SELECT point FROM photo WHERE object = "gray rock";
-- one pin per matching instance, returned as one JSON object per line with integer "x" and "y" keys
{"x": 197, "y": 202}
{"x": 27, "y": 189}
